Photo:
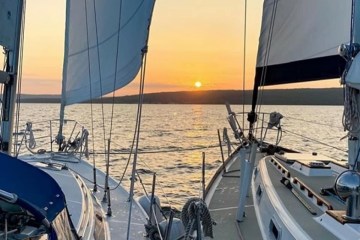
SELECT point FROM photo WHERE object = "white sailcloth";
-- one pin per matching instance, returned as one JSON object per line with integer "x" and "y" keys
{"x": 93, "y": 40}
{"x": 9, "y": 10}
{"x": 303, "y": 29}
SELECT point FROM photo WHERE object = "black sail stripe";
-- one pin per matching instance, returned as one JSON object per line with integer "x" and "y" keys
{"x": 301, "y": 71}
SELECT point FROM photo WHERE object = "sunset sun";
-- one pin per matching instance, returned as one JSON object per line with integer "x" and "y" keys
{"x": 198, "y": 84}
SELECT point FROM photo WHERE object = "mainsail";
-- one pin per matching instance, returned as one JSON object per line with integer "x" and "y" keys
{"x": 103, "y": 46}
{"x": 299, "y": 40}
{"x": 9, "y": 10}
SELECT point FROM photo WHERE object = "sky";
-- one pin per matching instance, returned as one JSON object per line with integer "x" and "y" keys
{"x": 190, "y": 41}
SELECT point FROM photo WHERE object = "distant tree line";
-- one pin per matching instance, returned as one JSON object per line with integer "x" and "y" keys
{"x": 324, "y": 96}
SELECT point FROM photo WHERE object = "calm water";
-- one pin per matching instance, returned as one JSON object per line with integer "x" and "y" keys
{"x": 172, "y": 130}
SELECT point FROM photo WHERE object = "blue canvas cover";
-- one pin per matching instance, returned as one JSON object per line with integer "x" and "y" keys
{"x": 34, "y": 188}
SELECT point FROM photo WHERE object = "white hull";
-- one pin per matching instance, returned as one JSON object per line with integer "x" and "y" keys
{"x": 82, "y": 201}
{"x": 272, "y": 210}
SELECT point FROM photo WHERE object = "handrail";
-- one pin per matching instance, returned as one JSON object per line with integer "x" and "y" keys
{"x": 311, "y": 194}
{"x": 301, "y": 185}
{"x": 45, "y": 137}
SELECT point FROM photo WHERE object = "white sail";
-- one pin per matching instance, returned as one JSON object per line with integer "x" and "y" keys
{"x": 9, "y": 9}
{"x": 303, "y": 30}
{"x": 93, "y": 40}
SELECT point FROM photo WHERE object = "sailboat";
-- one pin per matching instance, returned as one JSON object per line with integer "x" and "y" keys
{"x": 265, "y": 190}
{"x": 53, "y": 192}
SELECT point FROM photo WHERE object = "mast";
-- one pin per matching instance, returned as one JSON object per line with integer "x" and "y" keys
{"x": 10, "y": 86}
{"x": 354, "y": 136}
{"x": 356, "y": 37}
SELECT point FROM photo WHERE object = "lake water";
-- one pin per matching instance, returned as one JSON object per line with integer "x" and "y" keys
{"x": 173, "y": 138}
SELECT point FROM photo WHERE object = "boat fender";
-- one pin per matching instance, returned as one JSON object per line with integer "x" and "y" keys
{"x": 192, "y": 207}
{"x": 274, "y": 121}
{"x": 144, "y": 202}
{"x": 177, "y": 228}
{"x": 31, "y": 141}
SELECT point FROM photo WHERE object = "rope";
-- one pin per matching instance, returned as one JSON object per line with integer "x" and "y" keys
{"x": 189, "y": 216}
{"x": 351, "y": 115}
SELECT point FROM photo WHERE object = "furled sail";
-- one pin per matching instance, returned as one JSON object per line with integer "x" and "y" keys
{"x": 299, "y": 40}
{"x": 9, "y": 10}
{"x": 98, "y": 57}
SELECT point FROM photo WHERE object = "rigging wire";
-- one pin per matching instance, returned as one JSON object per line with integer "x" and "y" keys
{"x": 314, "y": 140}
{"x": 147, "y": 195}
{"x": 312, "y": 122}
{"x": 141, "y": 100}
{"x": 116, "y": 66}
{"x": 113, "y": 101}
{"x": 90, "y": 88}
{"x": 244, "y": 62}
{"x": 266, "y": 59}
{"x": 19, "y": 80}
{"x": 102, "y": 102}
{"x": 138, "y": 120}
{"x": 308, "y": 138}
{"x": 169, "y": 150}
{"x": 129, "y": 158}
{"x": 2, "y": 85}
{"x": 100, "y": 76}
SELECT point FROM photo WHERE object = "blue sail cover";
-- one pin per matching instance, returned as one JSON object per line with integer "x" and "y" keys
{"x": 31, "y": 185}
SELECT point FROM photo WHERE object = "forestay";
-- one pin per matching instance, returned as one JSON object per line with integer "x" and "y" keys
{"x": 9, "y": 10}
{"x": 299, "y": 40}
{"x": 97, "y": 55}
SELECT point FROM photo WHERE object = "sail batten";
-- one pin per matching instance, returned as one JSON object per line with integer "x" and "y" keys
{"x": 90, "y": 59}
{"x": 299, "y": 40}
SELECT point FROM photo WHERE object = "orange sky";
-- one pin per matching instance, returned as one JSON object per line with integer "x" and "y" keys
{"x": 190, "y": 40}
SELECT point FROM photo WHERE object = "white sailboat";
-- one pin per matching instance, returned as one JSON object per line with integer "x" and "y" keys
{"x": 54, "y": 192}
{"x": 284, "y": 194}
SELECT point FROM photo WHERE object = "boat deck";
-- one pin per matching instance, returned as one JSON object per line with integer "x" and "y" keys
{"x": 224, "y": 197}
{"x": 117, "y": 223}
{"x": 297, "y": 210}
{"x": 224, "y": 203}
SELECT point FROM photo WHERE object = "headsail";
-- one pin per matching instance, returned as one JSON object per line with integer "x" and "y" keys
{"x": 299, "y": 40}
{"x": 93, "y": 40}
